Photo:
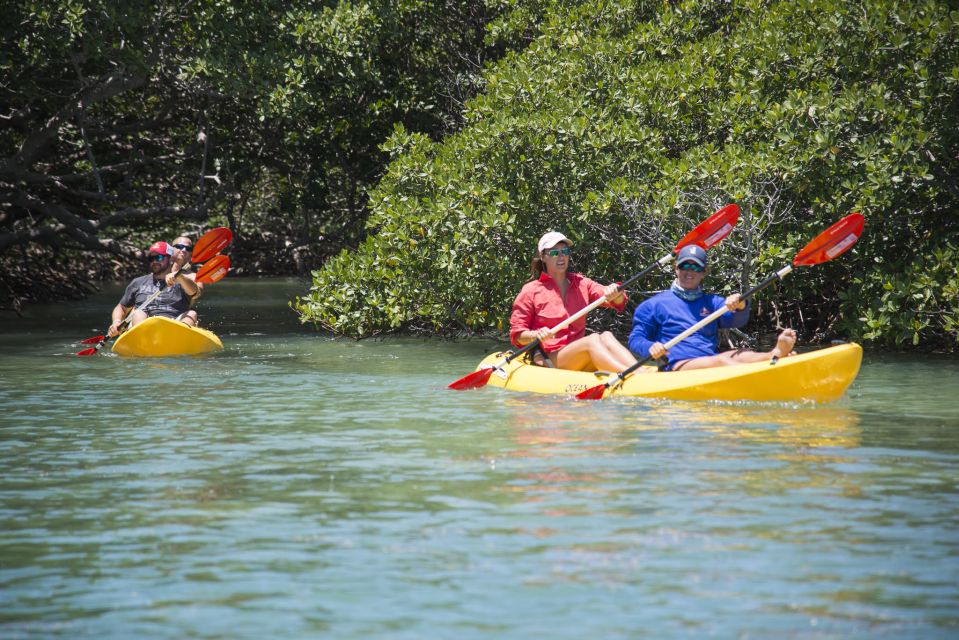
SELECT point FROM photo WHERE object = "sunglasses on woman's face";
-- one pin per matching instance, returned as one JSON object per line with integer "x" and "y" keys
{"x": 552, "y": 253}
{"x": 691, "y": 266}
{"x": 156, "y": 258}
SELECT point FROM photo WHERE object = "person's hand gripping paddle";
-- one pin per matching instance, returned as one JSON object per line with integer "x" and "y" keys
{"x": 706, "y": 234}
{"x": 829, "y": 244}
{"x": 206, "y": 250}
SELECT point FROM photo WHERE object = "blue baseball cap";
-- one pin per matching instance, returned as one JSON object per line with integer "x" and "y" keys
{"x": 692, "y": 253}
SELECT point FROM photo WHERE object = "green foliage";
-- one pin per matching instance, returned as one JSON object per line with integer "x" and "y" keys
{"x": 320, "y": 87}
{"x": 919, "y": 298}
{"x": 124, "y": 120}
{"x": 621, "y": 120}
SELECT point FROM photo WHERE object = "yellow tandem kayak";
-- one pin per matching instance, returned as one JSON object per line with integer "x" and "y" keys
{"x": 160, "y": 337}
{"x": 817, "y": 376}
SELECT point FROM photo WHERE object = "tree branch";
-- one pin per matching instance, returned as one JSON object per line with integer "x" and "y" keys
{"x": 33, "y": 146}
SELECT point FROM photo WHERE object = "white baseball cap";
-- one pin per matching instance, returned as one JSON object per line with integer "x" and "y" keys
{"x": 551, "y": 239}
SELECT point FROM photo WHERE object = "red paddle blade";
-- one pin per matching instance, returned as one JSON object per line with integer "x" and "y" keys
{"x": 832, "y": 242}
{"x": 593, "y": 393}
{"x": 87, "y": 352}
{"x": 713, "y": 229}
{"x": 474, "y": 380}
{"x": 93, "y": 340}
{"x": 213, "y": 242}
{"x": 214, "y": 270}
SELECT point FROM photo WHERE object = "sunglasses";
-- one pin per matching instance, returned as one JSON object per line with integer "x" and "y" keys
{"x": 691, "y": 266}
{"x": 183, "y": 247}
{"x": 156, "y": 258}
{"x": 552, "y": 253}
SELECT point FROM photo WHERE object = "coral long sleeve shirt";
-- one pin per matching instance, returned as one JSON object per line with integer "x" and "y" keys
{"x": 539, "y": 304}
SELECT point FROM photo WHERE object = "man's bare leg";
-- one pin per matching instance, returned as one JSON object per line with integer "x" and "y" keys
{"x": 189, "y": 318}
{"x": 784, "y": 347}
{"x": 137, "y": 317}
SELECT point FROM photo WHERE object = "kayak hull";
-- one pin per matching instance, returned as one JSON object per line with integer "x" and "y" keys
{"x": 158, "y": 337}
{"x": 816, "y": 376}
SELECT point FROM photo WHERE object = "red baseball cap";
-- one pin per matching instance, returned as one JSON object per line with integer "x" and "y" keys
{"x": 161, "y": 249}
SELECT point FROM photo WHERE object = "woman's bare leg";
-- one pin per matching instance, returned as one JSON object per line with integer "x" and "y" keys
{"x": 593, "y": 351}
{"x": 620, "y": 353}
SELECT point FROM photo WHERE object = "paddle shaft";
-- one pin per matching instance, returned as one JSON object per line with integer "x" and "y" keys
{"x": 585, "y": 310}
{"x": 715, "y": 315}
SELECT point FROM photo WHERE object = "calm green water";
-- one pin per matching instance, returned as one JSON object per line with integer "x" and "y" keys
{"x": 296, "y": 486}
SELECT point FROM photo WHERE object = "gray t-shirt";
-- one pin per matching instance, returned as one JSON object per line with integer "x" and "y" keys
{"x": 171, "y": 302}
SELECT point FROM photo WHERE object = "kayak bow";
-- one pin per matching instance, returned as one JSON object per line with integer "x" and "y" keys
{"x": 160, "y": 337}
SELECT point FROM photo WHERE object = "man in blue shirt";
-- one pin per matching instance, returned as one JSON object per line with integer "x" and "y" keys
{"x": 669, "y": 313}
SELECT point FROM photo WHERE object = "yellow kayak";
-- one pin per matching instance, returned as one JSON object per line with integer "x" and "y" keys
{"x": 159, "y": 337}
{"x": 817, "y": 376}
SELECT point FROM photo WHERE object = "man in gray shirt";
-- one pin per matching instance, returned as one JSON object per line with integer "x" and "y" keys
{"x": 171, "y": 301}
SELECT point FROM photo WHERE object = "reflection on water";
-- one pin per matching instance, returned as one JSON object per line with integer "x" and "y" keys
{"x": 300, "y": 486}
{"x": 805, "y": 441}
{"x": 801, "y": 427}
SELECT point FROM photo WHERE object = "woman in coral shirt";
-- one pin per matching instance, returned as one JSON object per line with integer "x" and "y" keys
{"x": 551, "y": 296}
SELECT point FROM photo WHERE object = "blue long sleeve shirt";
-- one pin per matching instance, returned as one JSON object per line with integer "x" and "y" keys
{"x": 666, "y": 315}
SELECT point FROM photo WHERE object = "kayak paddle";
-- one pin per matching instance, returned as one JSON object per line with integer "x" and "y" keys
{"x": 829, "y": 244}
{"x": 211, "y": 243}
{"x": 214, "y": 270}
{"x": 707, "y": 233}
{"x": 206, "y": 249}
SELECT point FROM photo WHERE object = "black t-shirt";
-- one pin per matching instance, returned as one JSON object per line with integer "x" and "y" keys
{"x": 171, "y": 302}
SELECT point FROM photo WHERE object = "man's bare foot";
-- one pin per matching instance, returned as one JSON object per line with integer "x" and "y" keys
{"x": 784, "y": 344}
